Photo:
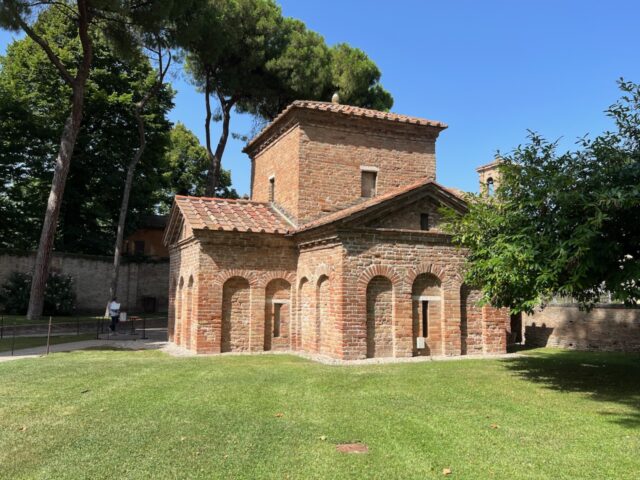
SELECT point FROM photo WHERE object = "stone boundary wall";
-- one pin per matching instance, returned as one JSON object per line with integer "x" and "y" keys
{"x": 92, "y": 273}
{"x": 606, "y": 327}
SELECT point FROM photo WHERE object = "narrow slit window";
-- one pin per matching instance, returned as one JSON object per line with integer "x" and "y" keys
{"x": 425, "y": 318}
{"x": 272, "y": 189}
{"x": 276, "y": 319}
{"x": 424, "y": 221}
{"x": 368, "y": 182}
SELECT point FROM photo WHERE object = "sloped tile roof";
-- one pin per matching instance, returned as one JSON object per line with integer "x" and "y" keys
{"x": 203, "y": 213}
{"x": 347, "y": 110}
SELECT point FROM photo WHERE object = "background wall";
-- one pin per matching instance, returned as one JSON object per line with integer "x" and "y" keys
{"x": 139, "y": 281}
{"x": 610, "y": 327}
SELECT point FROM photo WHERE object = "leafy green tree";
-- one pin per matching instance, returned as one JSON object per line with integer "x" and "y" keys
{"x": 19, "y": 15}
{"x": 187, "y": 168}
{"x": 305, "y": 68}
{"x": 560, "y": 224}
{"x": 248, "y": 57}
{"x": 83, "y": 16}
{"x": 33, "y": 108}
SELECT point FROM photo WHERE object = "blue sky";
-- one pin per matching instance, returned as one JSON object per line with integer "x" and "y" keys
{"x": 489, "y": 69}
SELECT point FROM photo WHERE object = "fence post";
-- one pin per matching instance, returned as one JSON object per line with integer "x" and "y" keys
{"x": 144, "y": 328}
{"x": 48, "y": 336}
{"x": 1, "y": 326}
{"x": 13, "y": 338}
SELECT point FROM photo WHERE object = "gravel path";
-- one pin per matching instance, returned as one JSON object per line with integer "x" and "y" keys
{"x": 157, "y": 341}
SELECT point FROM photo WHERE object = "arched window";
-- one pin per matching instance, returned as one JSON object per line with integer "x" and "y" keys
{"x": 490, "y": 186}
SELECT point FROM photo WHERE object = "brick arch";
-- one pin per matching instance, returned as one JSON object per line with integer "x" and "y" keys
{"x": 277, "y": 275}
{"x": 456, "y": 277}
{"x": 320, "y": 270}
{"x": 225, "y": 275}
{"x": 426, "y": 267}
{"x": 378, "y": 271}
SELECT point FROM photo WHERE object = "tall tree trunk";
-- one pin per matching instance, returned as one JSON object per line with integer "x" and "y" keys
{"x": 212, "y": 182}
{"x": 63, "y": 161}
{"x": 126, "y": 195}
{"x": 215, "y": 159}
{"x": 124, "y": 205}
{"x": 47, "y": 236}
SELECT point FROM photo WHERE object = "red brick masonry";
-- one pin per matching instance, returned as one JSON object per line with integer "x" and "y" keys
{"x": 320, "y": 269}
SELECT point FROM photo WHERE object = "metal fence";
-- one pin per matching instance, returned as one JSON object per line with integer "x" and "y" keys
{"x": 10, "y": 329}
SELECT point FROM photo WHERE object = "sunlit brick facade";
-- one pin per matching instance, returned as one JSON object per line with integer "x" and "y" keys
{"x": 338, "y": 253}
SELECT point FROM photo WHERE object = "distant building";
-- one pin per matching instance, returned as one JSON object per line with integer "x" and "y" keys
{"x": 147, "y": 239}
{"x": 489, "y": 176}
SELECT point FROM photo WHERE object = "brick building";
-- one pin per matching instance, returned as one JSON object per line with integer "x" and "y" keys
{"x": 338, "y": 252}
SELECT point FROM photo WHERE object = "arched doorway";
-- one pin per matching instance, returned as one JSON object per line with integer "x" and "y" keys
{"x": 426, "y": 295}
{"x": 236, "y": 315}
{"x": 323, "y": 322}
{"x": 379, "y": 317}
{"x": 277, "y": 314}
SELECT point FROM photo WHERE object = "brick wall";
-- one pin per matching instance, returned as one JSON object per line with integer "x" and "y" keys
{"x": 331, "y": 157}
{"x": 409, "y": 217}
{"x": 280, "y": 160}
{"x": 411, "y": 261}
{"x": 317, "y": 161}
{"x": 319, "y": 274}
{"x": 92, "y": 276}
{"x": 611, "y": 328}
{"x": 223, "y": 264}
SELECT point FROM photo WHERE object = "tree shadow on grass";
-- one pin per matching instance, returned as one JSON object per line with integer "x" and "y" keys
{"x": 603, "y": 377}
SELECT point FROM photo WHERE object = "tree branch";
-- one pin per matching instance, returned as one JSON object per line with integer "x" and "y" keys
{"x": 53, "y": 58}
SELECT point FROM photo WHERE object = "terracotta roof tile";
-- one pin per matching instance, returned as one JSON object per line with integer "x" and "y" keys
{"x": 221, "y": 214}
{"x": 348, "y": 110}
{"x": 203, "y": 213}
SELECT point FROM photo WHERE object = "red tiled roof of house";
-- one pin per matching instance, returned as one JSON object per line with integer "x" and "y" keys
{"x": 347, "y": 110}
{"x": 203, "y": 213}
{"x": 361, "y": 207}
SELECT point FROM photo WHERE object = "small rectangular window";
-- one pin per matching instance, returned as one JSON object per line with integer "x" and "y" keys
{"x": 425, "y": 318}
{"x": 424, "y": 221}
{"x": 368, "y": 184}
{"x": 272, "y": 189}
{"x": 276, "y": 319}
{"x": 139, "y": 247}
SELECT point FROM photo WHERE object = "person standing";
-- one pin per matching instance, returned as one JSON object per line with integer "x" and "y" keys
{"x": 114, "y": 313}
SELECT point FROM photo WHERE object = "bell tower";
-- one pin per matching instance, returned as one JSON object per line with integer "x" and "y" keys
{"x": 489, "y": 176}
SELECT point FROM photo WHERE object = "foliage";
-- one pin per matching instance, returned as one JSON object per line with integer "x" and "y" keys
{"x": 561, "y": 224}
{"x": 33, "y": 108}
{"x": 248, "y": 57}
{"x": 59, "y": 297}
{"x": 187, "y": 167}
{"x": 305, "y": 68}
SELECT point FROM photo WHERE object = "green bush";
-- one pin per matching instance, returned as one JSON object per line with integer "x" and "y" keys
{"x": 59, "y": 298}
{"x": 14, "y": 293}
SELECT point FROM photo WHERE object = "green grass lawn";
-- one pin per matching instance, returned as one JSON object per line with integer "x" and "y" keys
{"x": 116, "y": 414}
{"x": 29, "y": 342}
